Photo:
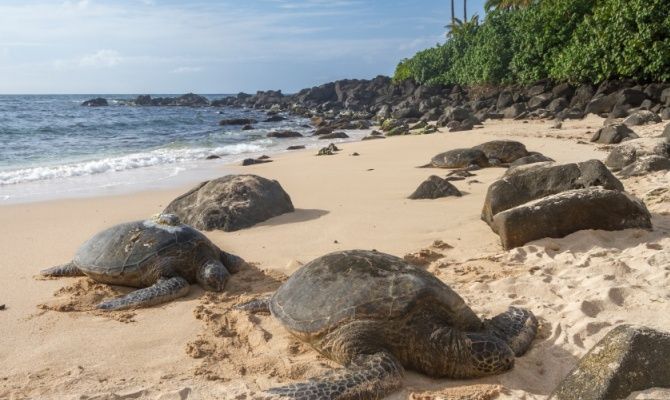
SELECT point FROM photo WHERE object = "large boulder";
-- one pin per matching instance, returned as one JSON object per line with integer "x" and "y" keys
{"x": 613, "y": 134}
{"x": 564, "y": 213}
{"x": 514, "y": 110}
{"x": 601, "y": 105}
{"x": 97, "y": 102}
{"x": 460, "y": 158}
{"x": 231, "y": 203}
{"x": 505, "y": 151}
{"x": 645, "y": 165}
{"x": 434, "y": 188}
{"x": 629, "y": 151}
{"x": 521, "y": 185}
{"x": 628, "y": 359}
{"x": 642, "y": 117}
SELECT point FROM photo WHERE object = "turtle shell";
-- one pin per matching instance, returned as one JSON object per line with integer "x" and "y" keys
{"x": 124, "y": 247}
{"x": 460, "y": 158}
{"x": 363, "y": 285}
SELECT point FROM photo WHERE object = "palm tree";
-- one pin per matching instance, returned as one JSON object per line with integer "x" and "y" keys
{"x": 465, "y": 10}
{"x": 462, "y": 26}
{"x": 506, "y": 4}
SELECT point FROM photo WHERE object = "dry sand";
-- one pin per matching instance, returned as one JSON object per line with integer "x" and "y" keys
{"x": 198, "y": 348}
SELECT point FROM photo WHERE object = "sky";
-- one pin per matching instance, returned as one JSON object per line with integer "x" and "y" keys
{"x": 225, "y": 46}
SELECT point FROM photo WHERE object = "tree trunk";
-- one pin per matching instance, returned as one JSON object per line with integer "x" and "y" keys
{"x": 465, "y": 11}
{"x": 453, "y": 16}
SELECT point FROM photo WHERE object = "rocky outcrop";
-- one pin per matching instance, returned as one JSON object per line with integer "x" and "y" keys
{"x": 97, "y": 102}
{"x": 561, "y": 214}
{"x": 231, "y": 203}
{"x": 628, "y": 359}
{"x": 434, "y": 188}
{"x": 186, "y": 100}
{"x": 521, "y": 185}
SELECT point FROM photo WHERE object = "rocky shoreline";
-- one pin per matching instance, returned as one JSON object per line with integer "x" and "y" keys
{"x": 405, "y": 107}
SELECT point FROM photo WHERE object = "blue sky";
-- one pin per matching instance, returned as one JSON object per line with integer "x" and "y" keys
{"x": 169, "y": 46}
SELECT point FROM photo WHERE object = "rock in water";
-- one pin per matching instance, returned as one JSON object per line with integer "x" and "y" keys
{"x": 97, "y": 102}
{"x": 237, "y": 121}
{"x": 231, "y": 203}
{"x": 434, "y": 188}
{"x": 626, "y": 360}
{"x": 561, "y": 214}
{"x": 506, "y": 151}
{"x": 284, "y": 134}
{"x": 523, "y": 184}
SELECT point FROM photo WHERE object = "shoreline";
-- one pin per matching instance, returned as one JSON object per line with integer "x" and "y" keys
{"x": 341, "y": 202}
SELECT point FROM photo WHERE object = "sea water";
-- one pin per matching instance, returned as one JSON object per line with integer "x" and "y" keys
{"x": 52, "y": 147}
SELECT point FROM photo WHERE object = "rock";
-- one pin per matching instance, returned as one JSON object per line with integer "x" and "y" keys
{"x": 666, "y": 132}
{"x": 619, "y": 111}
{"x": 642, "y": 117}
{"x": 582, "y": 96}
{"x": 247, "y": 128}
{"x": 523, "y": 184}
{"x": 462, "y": 126}
{"x": 434, "y": 188}
{"x": 297, "y": 147}
{"x": 505, "y": 99}
{"x": 571, "y": 113}
{"x": 237, "y": 121}
{"x": 665, "y": 97}
{"x": 253, "y": 161}
{"x": 355, "y": 154}
{"x": 632, "y": 97}
{"x": 532, "y": 158}
{"x": 274, "y": 118}
{"x": 601, "y": 105}
{"x": 629, "y": 151}
{"x": 398, "y": 131}
{"x": 539, "y": 101}
{"x": 558, "y": 105}
{"x": 231, "y": 203}
{"x": 665, "y": 114}
{"x": 373, "y": 137}
{"x": 561, "y": 214}
{"x": 182, "y": 394}
{"x": 212, "y": 157}
{"x": 457, "y": 113}
{"x": 628, "y": 359}
{"x": 506, "y": 151}
{"x": 563, "y": 90}
{"x": 328, "y": 150}
{"x": 334, "y": 135}
{"x": 460, "y": 158}
{"x": 323, "y": 131}
{"x": 2, "y": 307}
{"x": 613, "y": 134}
{"x": 191, "y": 100}
{"x": 97, "y": 102}
{"x": 406, "y": 112}
{"x": 390, "y": 124}
{"x": 645, "y": 165}
{"x": 284, "y": 134}
{"x": 514, "y": 110}
{"x": 143, "y": 100}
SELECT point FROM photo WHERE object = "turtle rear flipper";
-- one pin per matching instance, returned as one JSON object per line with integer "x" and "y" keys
{"x": 517, "y": 327}
{"x": 164, "y": 290}
{"x": 366, "y": 377}
{"x": 68, "y": 269}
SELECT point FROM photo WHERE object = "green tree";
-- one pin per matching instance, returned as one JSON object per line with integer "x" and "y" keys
{"x": 506, "y": 4}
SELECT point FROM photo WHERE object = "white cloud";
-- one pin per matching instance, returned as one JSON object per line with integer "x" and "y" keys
{"x": 185, "y": 70}
{"x": 101, "y": 58}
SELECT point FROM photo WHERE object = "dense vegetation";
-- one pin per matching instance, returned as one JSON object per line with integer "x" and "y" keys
{"x": 565, "y": 40}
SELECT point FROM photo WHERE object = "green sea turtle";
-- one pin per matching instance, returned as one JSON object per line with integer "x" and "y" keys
{"x": 159, "y": 255}
{"x": 376, "y": 314}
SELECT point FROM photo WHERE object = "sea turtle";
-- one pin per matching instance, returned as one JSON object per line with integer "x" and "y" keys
{"x": 375, "y": 314}
{"x": 159, "y": 255}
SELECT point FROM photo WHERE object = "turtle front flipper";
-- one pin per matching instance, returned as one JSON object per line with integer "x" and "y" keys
{"x": 517, "y": 327}
{"x": 367, "y": 377}
{"x": 164, "y": 290}
{"x": 68, "y": 269}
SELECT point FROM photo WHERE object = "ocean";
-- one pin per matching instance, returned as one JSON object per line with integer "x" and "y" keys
{"x": 52, "y": 147}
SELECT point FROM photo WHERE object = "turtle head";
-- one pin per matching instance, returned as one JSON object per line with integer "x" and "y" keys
{"x": 212, "y": 276}
{"x": 166, "y": 219}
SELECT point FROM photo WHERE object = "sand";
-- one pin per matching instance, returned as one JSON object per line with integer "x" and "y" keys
{"x": 52, "y": 346}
